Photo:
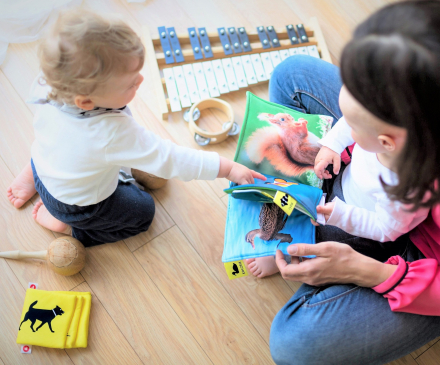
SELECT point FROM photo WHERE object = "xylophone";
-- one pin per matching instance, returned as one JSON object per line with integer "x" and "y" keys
{"x": 199, "y": 64}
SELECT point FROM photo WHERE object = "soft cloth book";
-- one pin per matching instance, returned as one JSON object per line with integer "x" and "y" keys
{"x": 280, "y": 143}
{"x": 57, "y": 319}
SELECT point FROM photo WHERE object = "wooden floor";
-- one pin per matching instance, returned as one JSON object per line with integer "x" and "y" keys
{"x": 162, "y": 297}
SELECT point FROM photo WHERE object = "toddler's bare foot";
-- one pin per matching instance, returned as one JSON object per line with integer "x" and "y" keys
{"x": 45, "y": 219}
{"x": 262, "y": 266}
{"x": 22, "y": 188}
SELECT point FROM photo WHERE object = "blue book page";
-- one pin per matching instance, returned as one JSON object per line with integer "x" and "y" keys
{"x": 243, "y": 218}
{"x": 308, "y": 196}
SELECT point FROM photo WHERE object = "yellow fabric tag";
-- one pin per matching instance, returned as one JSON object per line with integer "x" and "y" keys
{"x": 285, "y": 202}
{"x": 57, "y": 319}
{"x": 236, "y": 269}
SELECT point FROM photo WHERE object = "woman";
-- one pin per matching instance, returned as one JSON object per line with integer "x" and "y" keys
{"x": 354, "y": 309}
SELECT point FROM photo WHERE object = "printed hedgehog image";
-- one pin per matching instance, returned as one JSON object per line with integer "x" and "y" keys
{"x": 272, "y": 220}
{"x": 286, "y": 144}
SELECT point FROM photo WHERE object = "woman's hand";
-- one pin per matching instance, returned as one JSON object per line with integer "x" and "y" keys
{"x": 326, "y": 157}
{"x": 335, "y": 263}
{"x": 238, "y": 173}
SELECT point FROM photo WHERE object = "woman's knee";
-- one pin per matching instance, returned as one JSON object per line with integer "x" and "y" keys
{"x": 294, "y": 65}
{"x": 305, "y": 332}
{"x": 290, "y": 338}
{"x": 297, "y": 68}
{"x": 299, "y": 74}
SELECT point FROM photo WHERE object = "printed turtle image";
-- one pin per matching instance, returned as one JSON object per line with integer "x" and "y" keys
{"x": 272, "y": 220}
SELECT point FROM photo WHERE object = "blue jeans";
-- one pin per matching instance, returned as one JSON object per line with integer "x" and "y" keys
{"x": 126, "y": 213}
{"x": 337, "y": 324}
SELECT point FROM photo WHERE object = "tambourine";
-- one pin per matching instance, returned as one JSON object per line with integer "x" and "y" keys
{"x": 202, "y": 137}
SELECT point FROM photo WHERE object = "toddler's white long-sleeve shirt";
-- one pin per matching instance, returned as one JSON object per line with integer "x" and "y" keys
{"x": 367, "y": 211}
{"x": 78, "y": 156}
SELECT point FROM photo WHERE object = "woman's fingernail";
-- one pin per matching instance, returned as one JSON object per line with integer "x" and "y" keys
{"x": 293, "y": 249}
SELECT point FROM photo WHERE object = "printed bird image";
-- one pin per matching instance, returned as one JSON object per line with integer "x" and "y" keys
{"x": 272, "y": 220}
{"x": 235, "y": 268}
{"x": 286, "y": 144}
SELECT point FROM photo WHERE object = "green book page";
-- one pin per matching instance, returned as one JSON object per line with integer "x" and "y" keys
{"x": 279, "y": 141}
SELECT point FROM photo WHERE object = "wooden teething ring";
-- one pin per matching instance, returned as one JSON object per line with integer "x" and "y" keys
{"x": 214, "y": 137}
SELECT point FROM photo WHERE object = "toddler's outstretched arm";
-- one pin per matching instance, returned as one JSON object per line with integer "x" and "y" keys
{"x": 237, "y": 173}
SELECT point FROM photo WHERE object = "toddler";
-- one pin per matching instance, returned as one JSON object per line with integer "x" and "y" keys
{"x": 85, "y": 133}
{"x": 359, "y": 211}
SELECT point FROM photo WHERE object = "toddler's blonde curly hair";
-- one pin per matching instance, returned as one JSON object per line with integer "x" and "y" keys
{"x": 82, "y": 50}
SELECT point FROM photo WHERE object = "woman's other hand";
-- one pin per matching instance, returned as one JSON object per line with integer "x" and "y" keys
{"x": 335, "y": 263}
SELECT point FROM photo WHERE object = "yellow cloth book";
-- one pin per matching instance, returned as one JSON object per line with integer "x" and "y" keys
{"x": 57, "y": 319}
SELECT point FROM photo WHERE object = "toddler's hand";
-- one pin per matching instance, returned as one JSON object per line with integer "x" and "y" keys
{"x": 327, "y": 210}
{"x": 326, "y": 157}
{"x": 238, "y": 173}
{"x": 242, "y": 175}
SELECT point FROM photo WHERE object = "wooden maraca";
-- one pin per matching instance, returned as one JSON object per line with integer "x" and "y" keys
{"x": 65, "y": 255}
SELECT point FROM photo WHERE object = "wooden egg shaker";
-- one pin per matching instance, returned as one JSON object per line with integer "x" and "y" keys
{"x": 65, "y": 255}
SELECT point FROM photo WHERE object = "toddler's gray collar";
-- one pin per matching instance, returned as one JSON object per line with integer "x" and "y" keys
{"x": 75, "y": 111}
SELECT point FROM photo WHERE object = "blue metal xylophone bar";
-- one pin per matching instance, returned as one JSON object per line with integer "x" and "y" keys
{"x": 273, "y": 36}
{"x": 263, "y": 37}
{"x": 165, "y": 42}
{"x": 175, "y": 45}
{"x": 194, "y": 39}
{"x": 244, "y": 39}
{"x": 236, "y": 45}
{"x": 224, "y": 39}
{"x": 292, "y": 34}
{"x": 205, "y": 43}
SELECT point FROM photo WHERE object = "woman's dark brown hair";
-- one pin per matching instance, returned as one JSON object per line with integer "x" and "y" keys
{"x": 392, "y": 67}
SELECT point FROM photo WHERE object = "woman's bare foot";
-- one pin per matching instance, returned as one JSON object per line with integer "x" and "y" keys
{"x": 45, "y": 219}
{"x": 22, "y": 188}
{"x": 262, "y": 266}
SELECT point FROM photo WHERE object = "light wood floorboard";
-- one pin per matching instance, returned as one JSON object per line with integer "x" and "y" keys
{"x": 211, "y": 316}
{"x": 106, "y": 343}
{"x": 406, "y": 360}
{"x": 138, "y": 308}
{"x": 421, "y": 350}
{"x": 431, "y": 356}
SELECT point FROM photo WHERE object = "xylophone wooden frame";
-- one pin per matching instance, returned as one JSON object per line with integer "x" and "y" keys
{"x": 155, "y": 58}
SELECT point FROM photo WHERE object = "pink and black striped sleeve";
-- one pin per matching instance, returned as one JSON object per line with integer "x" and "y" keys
{"x": 414, "y": 287}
